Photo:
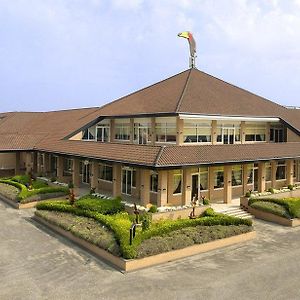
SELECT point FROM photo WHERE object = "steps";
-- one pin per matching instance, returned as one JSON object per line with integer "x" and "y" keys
{"x": 235, "y": 212}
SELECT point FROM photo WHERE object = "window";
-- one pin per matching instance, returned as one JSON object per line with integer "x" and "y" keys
{"x": 237, "y": 175}
{"x": 106, "y": 172}
{"x": 89, "y": 133}
{"x": 218, "y": 177}
{"x": 103, "y": 131}
{"x": 122, "y": 129}
{"x": 281, "y": 170}
{"x": 250, "y": 173}
{"x": 196, "y": 132}
{"x": 177, "y": 179}
{"x": 228, "y": 133}
{"x": 142, "y": 131}
{"x": 268, "y": 171}
{"x": 277, "y": 133}
{"x": 154, "y": 182}
{"x": 67, "y": 167}
{"x": 41, "y": 159}
{"x": 204, "y": 178}
{"x": 165, "y": 130}
{"x": 255, "y": 132}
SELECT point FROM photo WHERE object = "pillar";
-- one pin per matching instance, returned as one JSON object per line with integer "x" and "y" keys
{"x": 245, "y": 179}
{"x": 290, "y": 171}
{"x": 227, "y": 184}
{"x": 179, "y": 126}
{"x": 211, "y": 180}
{"x": 94, "y": 174}
{"x": 117, "y": 177}
{"x": 39, "y": 164}
{"x": 243, "y": 132}
{"x": 112, "y": 130}
{"x": 153, "y": 131}
{"x": 28, "y": 162}
{"x": 145, "y": 186}
{"x": 261, "y": 177}
{"x": 47, "y": 166}
{"x": 187, "y": 186}
{"x": 131, "y": 130}
{"x": 273, "y": 171}
{"x": 76, "y": 172}
{"x": 35, "y": 162}
{"x": 17, "y": 166}
{"x": 214, "y": 131}
{"x": 162, "y": 195}
{"x": 60, "y": 167}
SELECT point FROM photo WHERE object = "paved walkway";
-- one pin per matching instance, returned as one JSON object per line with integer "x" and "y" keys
{"x": 38, "y": 264}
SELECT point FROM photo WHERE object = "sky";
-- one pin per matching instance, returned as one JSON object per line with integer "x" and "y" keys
{"x": 60, "y": 54}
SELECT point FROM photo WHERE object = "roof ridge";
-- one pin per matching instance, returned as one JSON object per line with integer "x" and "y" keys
{"x": 142, "y": 89}
{"x": 159, "y": 154}
{"x": 183, "y": 92}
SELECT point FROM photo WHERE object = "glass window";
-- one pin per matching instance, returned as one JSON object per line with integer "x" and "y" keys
{"x": 165, "y": 130}
{"x": 103, "y": 132}
{"x": 218, "y": 177}
{"x": 281, "y": 170}
{"x": 67, "y": 167}
{"x": 177, "y": 179}
{"x": 142, "y": 131}
{"x": 89, "y": 133}
{"x": 154, "y": 182}
{"x": 106, "y": 172}
{"x": 133, "y": 178}
{"x": 237, "y": 175}
{"x": 255, "y": 132}
{"x": 203, "y": 178}
{"x": 196, "y": 132}
{"x": 228, "y": 133}
{"x": 250, "y": 173}
{"x": 268, "y": 171}
{"x": 122, "y": 129}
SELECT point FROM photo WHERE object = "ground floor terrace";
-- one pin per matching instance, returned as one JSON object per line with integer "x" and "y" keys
{"x": 219, "y": 183}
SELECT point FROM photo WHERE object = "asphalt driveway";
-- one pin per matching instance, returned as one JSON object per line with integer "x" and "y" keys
{"x": 38, "y": 264}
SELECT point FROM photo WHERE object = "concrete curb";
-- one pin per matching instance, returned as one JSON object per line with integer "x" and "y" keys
{"x": 136, "y": 264}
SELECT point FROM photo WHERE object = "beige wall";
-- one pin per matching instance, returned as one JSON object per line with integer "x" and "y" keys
{"x": 292, "y": 136}
{"x": 7, "y": 160}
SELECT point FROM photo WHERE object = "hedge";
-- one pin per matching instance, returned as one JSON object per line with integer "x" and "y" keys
{"x": 272, "y": 208}
{"x": 120, "y": 224}
{"x": 25, "y": 193}
{"x": 103, "y": 206}
{"x": 292, "y": 205}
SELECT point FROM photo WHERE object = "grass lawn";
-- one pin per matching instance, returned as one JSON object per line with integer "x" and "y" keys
{"x": 25, "y": 192}
{"x": 288, "y": 208}
{"x": 152, "y": 237}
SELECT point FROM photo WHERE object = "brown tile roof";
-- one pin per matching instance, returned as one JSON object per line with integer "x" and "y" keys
{"x": 125, "y": 153}
{"x": 23, "y": 130}
{"x": 212, "y": 154}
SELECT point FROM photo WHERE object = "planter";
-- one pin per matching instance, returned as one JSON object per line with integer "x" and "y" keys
{"x": 33, "y": 200}
{"x": 136, "y": 264}
{"x": 263, "y": 215}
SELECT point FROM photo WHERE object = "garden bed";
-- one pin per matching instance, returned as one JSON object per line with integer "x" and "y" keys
{"x": 21, "y": 192}
{"x": 284, "y": 211}
{"x": 152, "y": 237}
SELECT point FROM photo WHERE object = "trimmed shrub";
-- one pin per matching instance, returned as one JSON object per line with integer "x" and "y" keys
{"x": 273, "y": 208}
{"x": 103, "y": 206}
{"x": 153, "y": 209}
{"x": 205, "y": 201}
{"x": 146, "y": 221}
{"x": 271, "y": 190}
{"x": 23, "y": 179}
{"x": 290, "y": 187}
{"x": 37, "y": 184}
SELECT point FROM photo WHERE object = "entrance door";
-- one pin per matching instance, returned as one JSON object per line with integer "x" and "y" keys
{"x": 85, "y": 173}
{"x": 195, "y": 186}
{"x": 126, "y": 181}
{"x": 228, "y": 135}
{"x": 255, "y": 180}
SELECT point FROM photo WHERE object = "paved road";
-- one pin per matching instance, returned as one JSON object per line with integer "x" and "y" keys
{"x": 38, "y": 264}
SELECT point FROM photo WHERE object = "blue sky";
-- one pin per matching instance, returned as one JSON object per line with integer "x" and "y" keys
{"x": 57, "y": 54}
